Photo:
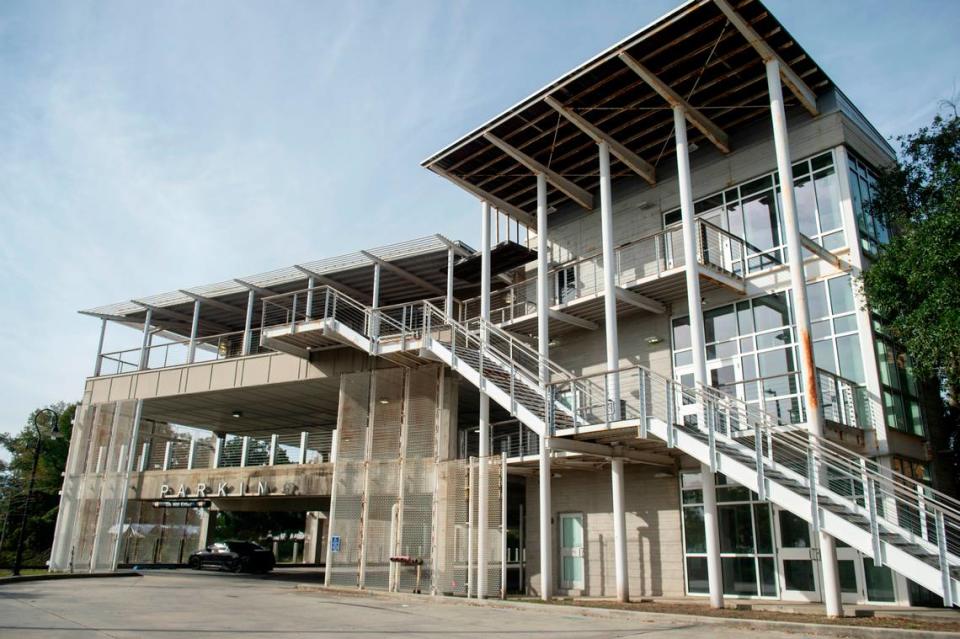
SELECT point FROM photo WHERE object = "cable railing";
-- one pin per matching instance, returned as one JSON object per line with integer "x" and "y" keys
{"x": 847, "y": 402}
{"x": 178, "y": 352}
{"x": 892, "y": 503}
{"x": 317, "y": 303}
{"x": 645, "y": 258}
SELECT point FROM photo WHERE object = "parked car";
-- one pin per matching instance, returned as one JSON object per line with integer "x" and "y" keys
{"x": 235, "y": 556}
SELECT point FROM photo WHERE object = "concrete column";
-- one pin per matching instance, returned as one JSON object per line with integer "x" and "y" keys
{"x": 798, "y": 283}
{"x": 194, "y": 327}
{"x": 609, "y": 284}
{"x": 692, "y": 272}
{"x": 248, "y": 324}
{"x": 483, "y": 506}
{"x": 546, "y": 527}
{"x": 619, "y": 530}
{"x": 543, "y": 283}
{"x": 145, "y": 345}
{"x": 103, "y": 333}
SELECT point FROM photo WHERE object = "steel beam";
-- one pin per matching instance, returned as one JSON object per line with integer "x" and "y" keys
{"x": 513, "y": 211}
{"x": 578, "y": 194}
{"x": 696, "y": 118}
{"x": 636, "y": 163}
{"x": 403, "y": 273}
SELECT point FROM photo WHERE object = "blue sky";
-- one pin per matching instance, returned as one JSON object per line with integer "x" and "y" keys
{"x": 150, "y": 146}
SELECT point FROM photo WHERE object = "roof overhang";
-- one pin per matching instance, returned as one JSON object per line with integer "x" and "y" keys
{"x": 417, "y": 269}
{"x": 706, "y": 56}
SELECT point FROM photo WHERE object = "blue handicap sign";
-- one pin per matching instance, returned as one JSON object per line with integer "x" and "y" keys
{"x": 335, "y": 543}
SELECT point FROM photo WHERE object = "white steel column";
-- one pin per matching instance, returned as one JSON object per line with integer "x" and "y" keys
{"x": 543, "y": 285}
{"x": 619, "y": 530}
{"x": 194, "y": 327}
{"x": 103, "y": 333}
{"x": 311, "y": 284}
{"x": 375, "y": 304}
{"x": 483, "y": 514}
{"x": 609, "y": 282}
{"x": 546, "y": 527}
{"x": 692, "y": 271}
{"x": 798, "y": 283}
{"x": 145, "y": 346}
{"x": 248, "y": 324}
{"x": 543, "y": 347}
{"x": 448, "y": 307}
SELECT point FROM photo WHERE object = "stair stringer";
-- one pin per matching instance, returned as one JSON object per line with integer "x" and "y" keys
{"x": 830, "y": 522}
{"x": 525, "y": 415}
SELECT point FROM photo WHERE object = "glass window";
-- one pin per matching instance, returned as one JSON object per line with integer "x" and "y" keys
{"x": 794, "y": 532}
{"x": 851, "y": 361}
{"x": 693, "y": 528}
{"x": 817, "y": 300}
{"x": 739, "y": 576}
{"x": 806, "y": 205}
{"x": 841, "y": 295}
{"x": 848, "y": 576}
{"x": 681, "y": 333}
{"x": 770, "y": 311}
{"x": 697, "y": 581}
{"x": 823, "y": 355}
{"x": 720, "y": 324}
{"x": 828, "y": 200}
{"x": 761, "y": 222}
{"x": 736, "y": 528}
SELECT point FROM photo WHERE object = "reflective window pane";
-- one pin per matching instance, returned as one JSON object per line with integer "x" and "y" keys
{"x": 770, "y": 311}
{"x": 817, "y": 300}
{"x": 851, "y": 361}
{"x": 761, "y": 515}
{"x": 696, "y": 539}
{"x": 736, "y": 528}
{"x": 681, "y": 333}
{"x": 739, "y": 576}
{"x": 761, "y": 223}
{"x": 848, "y": 576}
{"x": 879, "y": 581}
{"x": 768, "y": 576}
{"x": 828, "y": 200}
{"x": 720, "y": 324}
{"x": 806, "y": 205}
{"x": 798, "y": 575}
{"x": 697, "y": 575}
{"x": 841, "y": 295}
{"x": 794, "y": 532}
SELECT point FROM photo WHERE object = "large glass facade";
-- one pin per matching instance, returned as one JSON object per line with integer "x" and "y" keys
{"x": 898, "y": 384}
{"x": 753, "y": 211}
{"x": 751, "y": 345}
{"x": 746, "y": 539}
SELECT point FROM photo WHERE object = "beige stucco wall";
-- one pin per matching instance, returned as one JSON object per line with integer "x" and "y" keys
{"x": 654, "y": 542}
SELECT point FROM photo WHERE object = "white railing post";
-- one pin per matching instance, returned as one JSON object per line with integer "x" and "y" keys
{"x": 671, "y": 406}
{"x": 144, "y": 456}
{"x": 642, "y": 389}
{"x": 922, "y": 508}
{"x": 870, "y": 495}
{"x": 311, "y": 284}
{"x": 191, "y": 451}
{"x": 304, "y": 441}
{"x": 758, "y": 448}
{"x": 166, "y": 455}
{"x": 217, "y": 451}
{"x": 945, "y": 577}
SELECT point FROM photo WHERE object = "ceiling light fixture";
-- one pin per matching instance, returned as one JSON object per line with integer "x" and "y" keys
{"x": 653, "y": 339}
{"x": 237, "y": 414}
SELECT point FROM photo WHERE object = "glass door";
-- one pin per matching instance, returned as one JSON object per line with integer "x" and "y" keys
{"x": 571, "y": 551}
{"x": 798, "y": 558}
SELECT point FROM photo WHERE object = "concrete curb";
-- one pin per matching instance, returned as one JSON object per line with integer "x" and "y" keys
{"x": 823, "y": 630}
{"x": 57, "y": 576}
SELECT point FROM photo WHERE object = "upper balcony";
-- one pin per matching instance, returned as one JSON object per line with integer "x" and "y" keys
{"x": 649, "y": 273}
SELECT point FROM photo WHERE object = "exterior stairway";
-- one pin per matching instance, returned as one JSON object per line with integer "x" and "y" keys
{"x": 889, "y": 517}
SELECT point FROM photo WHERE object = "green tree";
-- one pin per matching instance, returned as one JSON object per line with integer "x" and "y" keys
{"x": 41, "y": 507}
{"x": 913, "y": 284}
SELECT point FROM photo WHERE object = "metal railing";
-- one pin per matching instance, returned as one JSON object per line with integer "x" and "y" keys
{"x": 847, "y": 402}
{"x": 646, "y": 258}
{"x": 317, "y": 303}
{"x": 176, "y": 352}
{"x": 891, "y": 502}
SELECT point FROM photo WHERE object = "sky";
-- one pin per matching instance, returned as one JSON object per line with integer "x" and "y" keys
{"x": 152, "y": 146}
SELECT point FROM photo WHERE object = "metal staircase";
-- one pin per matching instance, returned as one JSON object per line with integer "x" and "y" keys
{"x": 889, "y": 517}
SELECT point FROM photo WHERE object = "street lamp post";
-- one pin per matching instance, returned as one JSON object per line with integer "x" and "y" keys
{"x": 54, "y": 430}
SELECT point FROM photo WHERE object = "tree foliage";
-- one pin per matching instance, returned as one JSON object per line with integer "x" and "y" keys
{"x": 914, "y": 282}
{"x": 41, "y": 507}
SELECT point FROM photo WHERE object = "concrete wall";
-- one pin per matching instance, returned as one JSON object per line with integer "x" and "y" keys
{"x": 654, "y": 544}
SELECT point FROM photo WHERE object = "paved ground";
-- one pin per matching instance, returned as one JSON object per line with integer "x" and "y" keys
{"x": 213, "y": 605}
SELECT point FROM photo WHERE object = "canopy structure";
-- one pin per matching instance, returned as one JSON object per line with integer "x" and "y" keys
{"x": 415, "y": 269}
{"x": 707, "y": 56}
